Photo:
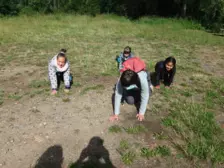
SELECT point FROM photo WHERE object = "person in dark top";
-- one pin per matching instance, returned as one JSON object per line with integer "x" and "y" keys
{"x": 165, "y": 71}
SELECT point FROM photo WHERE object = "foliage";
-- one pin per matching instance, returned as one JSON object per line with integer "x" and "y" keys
{"x": 209, "y": 12}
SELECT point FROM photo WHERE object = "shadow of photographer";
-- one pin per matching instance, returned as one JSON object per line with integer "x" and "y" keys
{"x": 95, "y": 155}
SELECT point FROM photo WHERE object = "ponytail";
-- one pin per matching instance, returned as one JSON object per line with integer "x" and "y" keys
{"x": 62, "y": 54}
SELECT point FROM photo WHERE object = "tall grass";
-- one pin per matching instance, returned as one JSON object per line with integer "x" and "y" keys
{"x": 96, "y": 40}
{"x": 197, "y": 128}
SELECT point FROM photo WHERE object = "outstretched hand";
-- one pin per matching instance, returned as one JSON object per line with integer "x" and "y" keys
{"x": 140, "y": 117}
{"x": 54, "y": 92}
{"x": 114, "y": 118}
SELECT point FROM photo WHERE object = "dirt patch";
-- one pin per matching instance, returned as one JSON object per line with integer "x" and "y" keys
{"x": 212, "y": 60}
{"x": 29, "y": 127}
{"x": 14, "y": 78}
{"x": 34, "y": 125}
{"x": 52, "y": 122}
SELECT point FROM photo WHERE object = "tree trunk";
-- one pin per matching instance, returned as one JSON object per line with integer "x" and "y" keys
{"x": 184, "y": 8}
{"x": 55, "y": 4}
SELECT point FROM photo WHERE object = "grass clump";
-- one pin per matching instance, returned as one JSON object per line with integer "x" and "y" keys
{"x": 167, "y": 92}
{"x": 36, "y": 92}
{"x": 124, "y": 145}
{"x": 76, "y": 84}
{"x": 197, "y": 128}
{"x": 128, "y": 158}
{"x": 87, "y": 89}
{"x": 186, "y": 93}
{"x": 127, "y": 155}
{"x": 115, "y": 129}
{"x": 214, "y": 95}
{"x": 160, "y": 136}
{"x": 169, "y": 121}
{"x": 135, "y": 129}
{"x": 66, "y": 99}
{"x": 15, "y": 96}
{"x": 39, "y": 83}
{"x": 158, "y": 151}
{"x": 1, "y": 97}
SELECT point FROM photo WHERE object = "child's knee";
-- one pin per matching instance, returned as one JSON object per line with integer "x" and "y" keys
{"x": 130, "y": 100}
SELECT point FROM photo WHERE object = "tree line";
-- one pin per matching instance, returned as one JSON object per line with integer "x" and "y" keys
{"x": 208, "y": 12}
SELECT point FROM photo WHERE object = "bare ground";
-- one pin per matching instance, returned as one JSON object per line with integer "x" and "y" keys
{"x": 29, "y": 126}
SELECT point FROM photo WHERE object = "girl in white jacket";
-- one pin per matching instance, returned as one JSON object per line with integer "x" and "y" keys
{"x": 59, "y": 70}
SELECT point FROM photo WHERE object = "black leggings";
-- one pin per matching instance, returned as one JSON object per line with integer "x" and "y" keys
{"x": 131, "y": 97}
{"x": 60, "y": 78}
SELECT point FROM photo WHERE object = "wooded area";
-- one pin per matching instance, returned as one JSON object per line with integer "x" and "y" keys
{"x": 210, "y": 13}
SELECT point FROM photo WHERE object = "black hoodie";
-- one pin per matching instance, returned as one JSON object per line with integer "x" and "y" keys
{"x": 163, "y": 74}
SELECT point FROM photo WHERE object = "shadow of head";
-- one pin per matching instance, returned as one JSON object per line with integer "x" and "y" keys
{"x": 95, "y": 142}
{"x": 51, "y": 158}
{"x": 95, "y": 155}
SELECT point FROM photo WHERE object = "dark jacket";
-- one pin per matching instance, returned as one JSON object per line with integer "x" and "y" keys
{"x": 163, "y": 74}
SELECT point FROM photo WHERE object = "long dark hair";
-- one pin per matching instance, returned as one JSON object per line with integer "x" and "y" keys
{"x": 170, "y": 59}
{"x": 128, "y": 78}
{"x": 127, "y": 49}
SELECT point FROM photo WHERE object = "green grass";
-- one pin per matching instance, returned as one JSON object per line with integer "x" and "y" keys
{"x": 15, "y": 96}
{"x": 187, "y": 110}
{"x": 127, "y": 154}
{"x": 1, "y": 96}
{"x": 124, "y": 145}
{"x": 186, "y": 93}
{"x": 76, "y": 84}
{"x": 115, "y": 129}
{"x": 198, "y": 129}
{"x": 158, "y": 151}
{"x": 66, "y": 99}
{"x": 167, "y": 92}
{"x": 160, "y": 136}
{"x": 169, "y": 121}
{"x": 135, "y": 129}
{"x": 36, "y": 92}
{"x": 89, "y": 88}
{"x": 214, "y": 95}
{"x": 39, "y": 83}
{"x": 88, "y": 54}
{"x": 38, "y": 87}
{"x": 128, "y": 158}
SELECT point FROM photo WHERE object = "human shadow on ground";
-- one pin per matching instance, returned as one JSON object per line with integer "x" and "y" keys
{"x": 51, "y": 158}
{"x": 95, "y": 155}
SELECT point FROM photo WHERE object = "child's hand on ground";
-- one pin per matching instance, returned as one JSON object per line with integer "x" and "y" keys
{"x": 151, "y": 87}
{"x": 157, "y": 87}
{"x": 114, "y": 118}
{"x": 66, "y": 90}
{"x": 140, "y": 117}
{"x": 54, "y": 92}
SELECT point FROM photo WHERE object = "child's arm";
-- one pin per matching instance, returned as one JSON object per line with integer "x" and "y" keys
{"x": 157, "y": 72}
{"x": 66, "y": 78}
{"x": 118, "y": 96}
{"x": 144, "y": 92}
{"x": 120, "y": 61}
{"x": 52, "y": 76}
{"x": 171, "y": 76}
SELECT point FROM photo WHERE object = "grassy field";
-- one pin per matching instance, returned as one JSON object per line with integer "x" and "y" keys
{"x": 191, "y": 112}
